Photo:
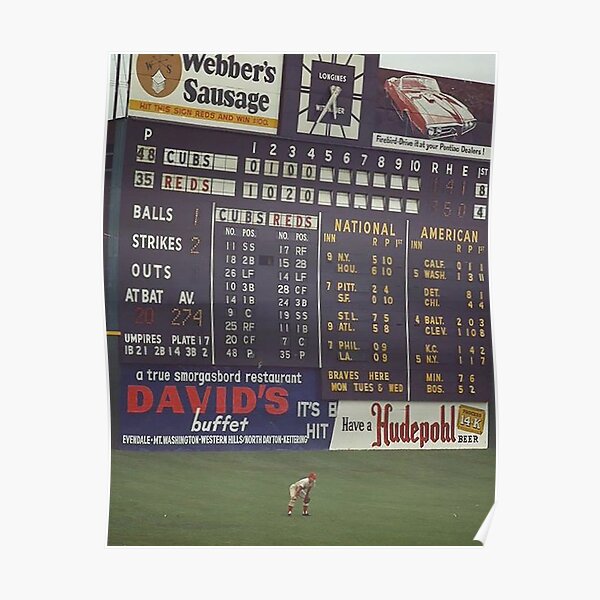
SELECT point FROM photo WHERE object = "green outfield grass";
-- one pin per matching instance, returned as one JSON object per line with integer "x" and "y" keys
{"x": 364, "y": 498}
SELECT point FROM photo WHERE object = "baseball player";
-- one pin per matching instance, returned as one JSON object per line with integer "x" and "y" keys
{"x": 302, "y": 489}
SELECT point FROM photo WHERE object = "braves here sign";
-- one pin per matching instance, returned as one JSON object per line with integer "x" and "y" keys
{"x": 235, "y": 91}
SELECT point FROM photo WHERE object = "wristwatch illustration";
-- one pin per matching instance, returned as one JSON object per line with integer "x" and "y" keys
{"x": 331, "y": 104}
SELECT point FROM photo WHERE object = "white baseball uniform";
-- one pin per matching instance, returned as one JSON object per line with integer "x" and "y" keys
{"x": 300, "y": 489}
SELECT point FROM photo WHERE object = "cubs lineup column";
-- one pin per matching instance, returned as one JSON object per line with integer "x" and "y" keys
{"x": 264, "y": 272}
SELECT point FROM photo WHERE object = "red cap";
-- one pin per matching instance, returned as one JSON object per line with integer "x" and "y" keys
{"x": 312, "y": 475}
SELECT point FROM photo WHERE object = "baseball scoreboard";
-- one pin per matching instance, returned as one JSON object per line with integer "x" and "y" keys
{"x": 296, "y": 256}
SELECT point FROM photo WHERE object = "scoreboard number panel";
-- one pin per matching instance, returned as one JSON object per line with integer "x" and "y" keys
{"x": 364, "y": 252}
{"x": 352, "y": 274}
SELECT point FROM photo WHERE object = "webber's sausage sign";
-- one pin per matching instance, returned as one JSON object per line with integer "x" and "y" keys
{"x": 235, "y": 91}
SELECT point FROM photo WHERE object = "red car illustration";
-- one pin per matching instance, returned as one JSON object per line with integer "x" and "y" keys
{"x": 425, "y": 110}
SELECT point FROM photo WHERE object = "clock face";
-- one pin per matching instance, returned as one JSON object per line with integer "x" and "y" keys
{"x": 331, "y": 95}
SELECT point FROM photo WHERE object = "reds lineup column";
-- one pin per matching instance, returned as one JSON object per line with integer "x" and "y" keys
{"x": 264, "y": 274}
